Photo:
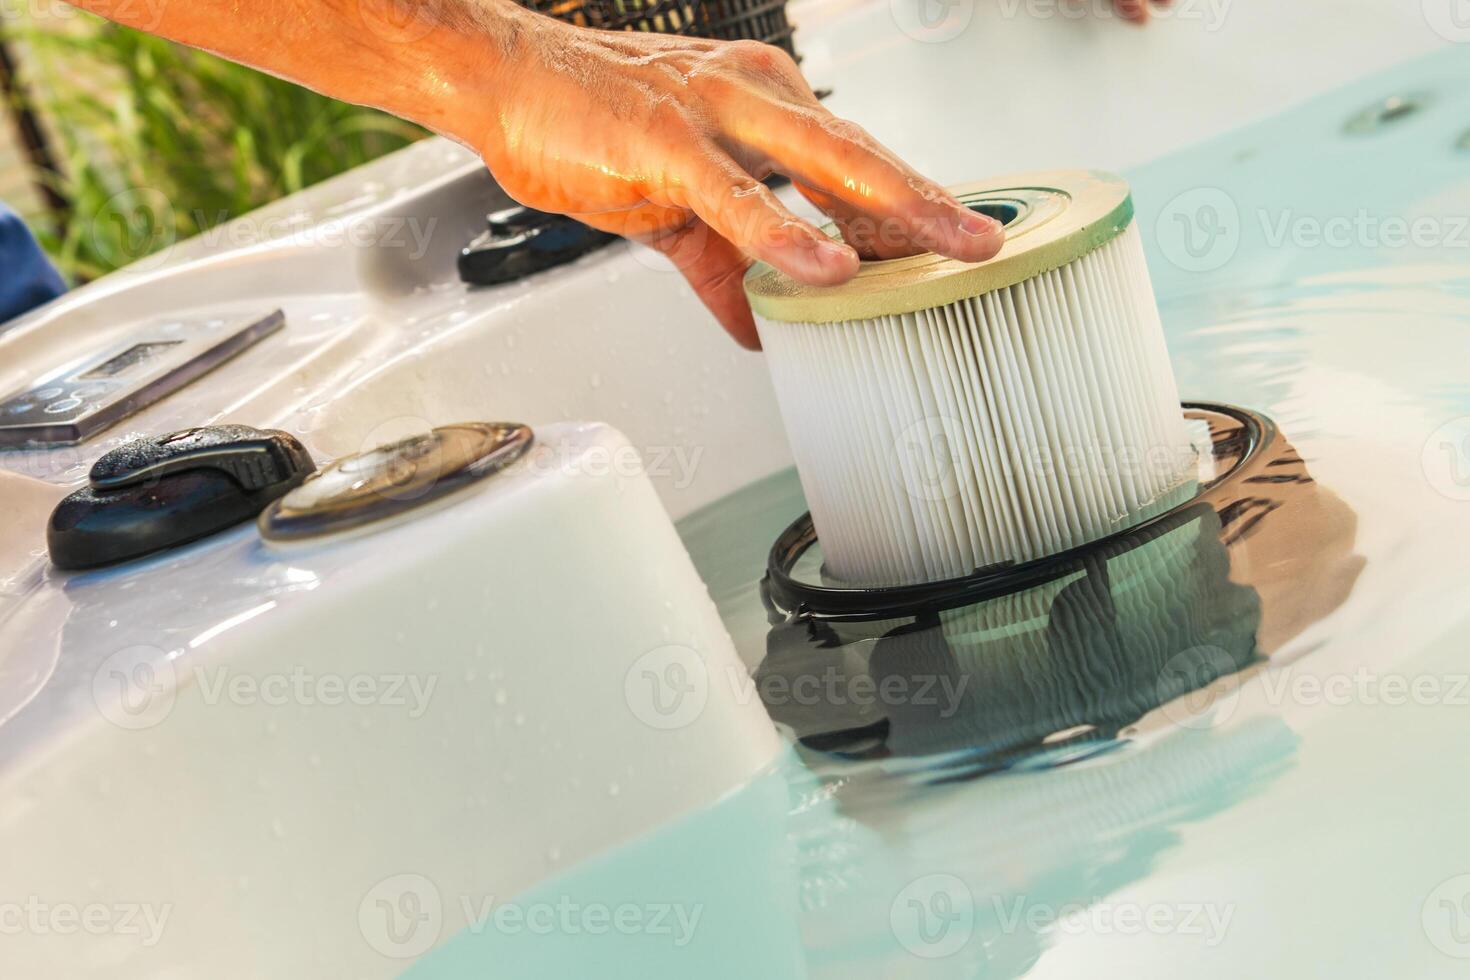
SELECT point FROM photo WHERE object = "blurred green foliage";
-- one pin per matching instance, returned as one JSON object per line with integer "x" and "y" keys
{"x": 159, "y": 142}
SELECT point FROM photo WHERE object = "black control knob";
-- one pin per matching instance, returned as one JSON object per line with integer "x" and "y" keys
{"x": 522, "y": 241}
{"x": 162, "y": 491}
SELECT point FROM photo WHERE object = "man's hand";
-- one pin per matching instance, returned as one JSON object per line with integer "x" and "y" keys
{"x": 666, "y": 140}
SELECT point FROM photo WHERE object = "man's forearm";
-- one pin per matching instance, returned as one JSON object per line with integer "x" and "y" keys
{"x": 662, "y": 139}
{"x": 432, "y": 61}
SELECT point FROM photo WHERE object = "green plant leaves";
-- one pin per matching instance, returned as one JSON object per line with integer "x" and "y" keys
{"x": 159, "y": 142}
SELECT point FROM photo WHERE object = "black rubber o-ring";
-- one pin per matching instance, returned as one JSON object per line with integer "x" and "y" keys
{"x": 785, "y": 595}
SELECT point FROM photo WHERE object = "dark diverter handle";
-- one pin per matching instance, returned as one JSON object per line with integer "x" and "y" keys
{"x": 162, "y": 491}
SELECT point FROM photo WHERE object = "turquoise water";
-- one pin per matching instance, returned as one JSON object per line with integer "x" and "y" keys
{"x": 1304, "y": 819}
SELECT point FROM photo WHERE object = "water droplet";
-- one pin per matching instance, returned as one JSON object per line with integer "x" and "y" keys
{"x": 1389, "y": 110}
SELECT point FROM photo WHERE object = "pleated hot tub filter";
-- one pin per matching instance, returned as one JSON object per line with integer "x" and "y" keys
{"x": 947, "y": 416}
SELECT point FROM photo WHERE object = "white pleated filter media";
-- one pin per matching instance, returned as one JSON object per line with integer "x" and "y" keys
{"x": 1007, "y": 426}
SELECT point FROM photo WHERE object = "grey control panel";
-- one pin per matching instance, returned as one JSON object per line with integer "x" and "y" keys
{"x": 75, "y": 402}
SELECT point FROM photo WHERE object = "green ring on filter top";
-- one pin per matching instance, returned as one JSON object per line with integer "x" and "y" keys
{"x": 1060, "y": 216}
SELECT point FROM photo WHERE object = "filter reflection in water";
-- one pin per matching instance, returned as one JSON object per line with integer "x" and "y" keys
{"x": 1060, "y": 669}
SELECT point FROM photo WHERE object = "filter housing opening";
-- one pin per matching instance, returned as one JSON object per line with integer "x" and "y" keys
{"x": 1006, "y": 212}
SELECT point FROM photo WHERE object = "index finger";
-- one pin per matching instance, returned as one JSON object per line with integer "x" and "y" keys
{"x": 839, "y": 158}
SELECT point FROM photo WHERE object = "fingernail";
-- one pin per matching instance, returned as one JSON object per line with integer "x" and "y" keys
{"x": 977, "y": 224}
{"x": 835, "y": 254}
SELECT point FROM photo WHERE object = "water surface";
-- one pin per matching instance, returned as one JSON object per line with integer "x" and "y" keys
{"x": 1304, "y": 815}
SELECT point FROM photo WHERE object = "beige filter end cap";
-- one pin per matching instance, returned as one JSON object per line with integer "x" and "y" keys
{"x": 1055, "y": 217}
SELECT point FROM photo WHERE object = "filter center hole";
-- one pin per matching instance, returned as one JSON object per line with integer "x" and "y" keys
{"x": 1006, "y": 212}
{"x": 1015, "y": 214}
